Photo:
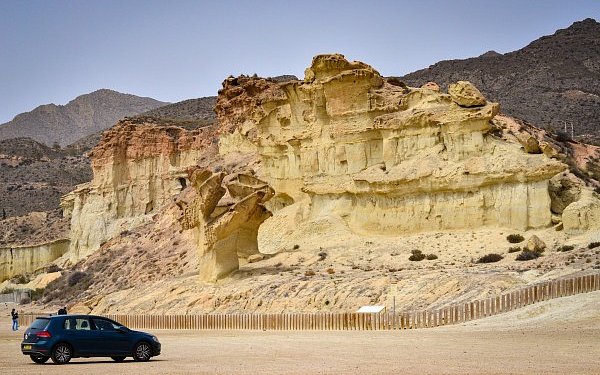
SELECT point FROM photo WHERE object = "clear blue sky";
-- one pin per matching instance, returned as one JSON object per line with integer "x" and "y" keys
{"x": 53, "y": 51}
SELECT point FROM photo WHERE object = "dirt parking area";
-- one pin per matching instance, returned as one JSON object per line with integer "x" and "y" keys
{"x": 556, "y": 337}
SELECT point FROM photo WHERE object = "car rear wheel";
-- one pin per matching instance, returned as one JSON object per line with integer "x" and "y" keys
{"x": 142, "y": 352}
{"x": 120, "y": 358}
{"x": 61, "y": 354}
{"x": 39, "y": 358}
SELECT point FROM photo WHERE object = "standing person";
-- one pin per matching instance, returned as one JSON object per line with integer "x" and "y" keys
{"x": 15, "y": 320}
{"x": 62, "y": 311}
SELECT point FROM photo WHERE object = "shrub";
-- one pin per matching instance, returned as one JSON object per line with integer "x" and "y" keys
{"x": 76, "y": 277}
{"x": 527, "y": 255}
{"x": 330, "y": 271}
{"x": 514, "y": 249}
{"x": 432, "y": 257}
{"x": 565, "y": 248}
{"x": 322, "y": 255}
{"x": 416, "y": 256}
{"x": 53, "y": 268}
{"x": 593, "y": 245}
{"x": 515, "y": 238}
{"x": 25, "y": 300}
{"x": 490, "y": 258}
{"x": 37, "y": 294}
{"x": 21, "y": 279}
{"x": 296, "y": 247}
{"x": 563, "y": 136}
{"x": 309, "y": 273}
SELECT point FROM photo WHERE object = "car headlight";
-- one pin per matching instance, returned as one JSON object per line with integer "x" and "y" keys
{"x": 155, "y": 338}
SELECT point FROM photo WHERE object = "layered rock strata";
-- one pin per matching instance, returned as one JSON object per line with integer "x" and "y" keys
{"x": 224, "y": 217}
{"x": 22, "y": 260}
{"x": 385, "y": 157}
{"x": 138, "y": 166}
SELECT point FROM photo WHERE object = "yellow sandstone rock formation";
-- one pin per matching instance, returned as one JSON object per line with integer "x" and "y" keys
{"x": 138, "y": 166}
{"x": 21, "y": 260}
{"x": 384, "y": 157}
{"x": 225, "y": 220}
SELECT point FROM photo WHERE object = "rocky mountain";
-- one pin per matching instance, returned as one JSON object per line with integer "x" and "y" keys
{"x": 191, "y": 109}
{"x": 316, "y": 195}
{"x": 551, "y": 82}
{"x": 84, "y": 115}
{"x": 33, "y": 176}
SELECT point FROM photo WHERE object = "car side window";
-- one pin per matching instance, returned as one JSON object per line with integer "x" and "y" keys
{"x": 77, "y": 324}
{"x": 104, "y": 325}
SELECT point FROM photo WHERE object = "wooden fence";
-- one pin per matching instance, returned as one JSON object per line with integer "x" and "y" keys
{"x": 453, "y": 314}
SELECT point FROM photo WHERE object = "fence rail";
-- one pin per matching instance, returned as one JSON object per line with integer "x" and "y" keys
{"x": 453, "y": 314}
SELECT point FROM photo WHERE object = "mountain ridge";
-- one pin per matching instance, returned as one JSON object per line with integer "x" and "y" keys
{"x": 82, "y": 116}
{"x": 553, "y": 81}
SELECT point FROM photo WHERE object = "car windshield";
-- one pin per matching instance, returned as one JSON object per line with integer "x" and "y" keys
{"x": 40, "y": 323}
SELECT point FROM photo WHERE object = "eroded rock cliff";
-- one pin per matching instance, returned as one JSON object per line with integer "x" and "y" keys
{"x": 138, "y": 166}
{"x": 385, "y": 157}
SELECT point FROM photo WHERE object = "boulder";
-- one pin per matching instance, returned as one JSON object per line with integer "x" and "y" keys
{"x": 431, "y": 86}
{"x": 255, "y": 258}
{"x": 564, "y": 189}
{"x": 582, "y": 215}
{"x": 534, "y": 243}
{"x": 548, "y": 149}
{"x": 530, "y": 143}
{"x": 465, "y": 94}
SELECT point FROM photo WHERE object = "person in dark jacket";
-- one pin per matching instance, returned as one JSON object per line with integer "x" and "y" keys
{"x": 62, "y": 311}
{"x": 15, "y": 320}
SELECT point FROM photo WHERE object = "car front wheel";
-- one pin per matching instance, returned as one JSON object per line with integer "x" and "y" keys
{"x": 118, "y": 358}
{"x": 39, "y": 358}
{"x": 61, "y": 354}
{"x": 142, "y": 352}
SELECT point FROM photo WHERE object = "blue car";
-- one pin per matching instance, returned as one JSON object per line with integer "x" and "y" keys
{"x": 63, "y": 337}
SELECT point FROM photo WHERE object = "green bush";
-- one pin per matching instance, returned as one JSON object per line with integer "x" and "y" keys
{"x": 527, "y": 255}
{"x": 490, "y": 258}
{"x": 416, "y": 256}
{"x": 515, "y": 238}
{"x": 514, "y": 249}
{"x": 593, "y": 245}
{"x": 432, "y": 257}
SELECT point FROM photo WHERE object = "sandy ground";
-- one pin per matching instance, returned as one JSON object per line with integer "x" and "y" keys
{"x": 555, "y": 337}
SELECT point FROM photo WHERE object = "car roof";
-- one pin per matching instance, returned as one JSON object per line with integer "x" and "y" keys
{"x": 73, "y": 316}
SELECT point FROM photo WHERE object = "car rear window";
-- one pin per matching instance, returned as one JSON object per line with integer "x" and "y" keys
{"x": 40, "y": 323}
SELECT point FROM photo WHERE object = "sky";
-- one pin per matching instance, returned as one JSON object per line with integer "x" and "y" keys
{"x": 52, "y": 51}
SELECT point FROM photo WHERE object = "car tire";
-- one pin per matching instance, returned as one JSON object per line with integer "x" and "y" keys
{"x": 142, "y": 352}
{"x": 61, "y": 354}
{"x": 120, "y": 358}
{"x": 39, "y": 358}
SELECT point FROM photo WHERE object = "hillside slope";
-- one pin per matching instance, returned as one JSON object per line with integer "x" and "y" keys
{"x": 82, "y": 116}
{"x": 553, "y": 80}
{"x": 34, "y": 176}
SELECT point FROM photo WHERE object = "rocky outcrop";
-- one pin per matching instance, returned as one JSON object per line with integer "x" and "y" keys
{"x": 583, "y": 214}
{"x": 22, "y": 260}
{"x": 138, "y": 166}
{"x": 385, "y": 157}
{"x": 465, "y": 94}
{"x": 564, "y": 188}
{"x": 225, "y": 220}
